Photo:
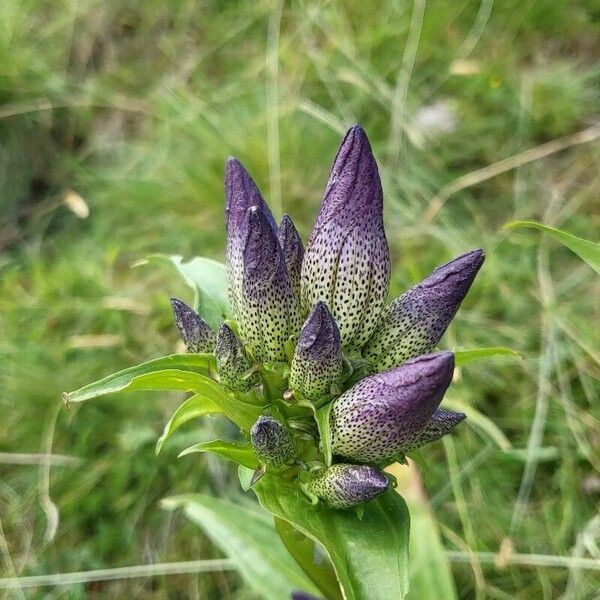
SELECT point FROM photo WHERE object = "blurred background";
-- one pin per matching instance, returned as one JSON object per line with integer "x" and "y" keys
{"x": 115, "y": 122}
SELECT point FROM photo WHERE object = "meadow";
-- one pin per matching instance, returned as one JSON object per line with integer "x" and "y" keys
{"x": 115, "y": 123}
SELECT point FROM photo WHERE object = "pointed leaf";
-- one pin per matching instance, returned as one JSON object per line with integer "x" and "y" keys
{"x": 586, "y": 250}
{"x": 322, "y": 419}
{"x": 156, "y": 375}
{"x": 242, "y": 454}
{"x": 360, "y": 550}
{"x": 247, "y": 536}
{"x": 462, "y": 357}
{"x": 196, "y": 406}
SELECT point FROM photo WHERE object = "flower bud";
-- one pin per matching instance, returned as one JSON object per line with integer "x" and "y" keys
{"x": 441, "y": 423}
{"x": 269, "y": 310}
{"x": 272, "y": 442}
{"x": 303, "y": 596}
{"x": 293, "y": 251}
{"x": 347, "y": 263}
{"x": 414, "y": 323}
{"x": 233, "y": 362}
{"x": 317, "y": 362}
{"x": 345, "y": 486}
{"x": 376, "y": 420}
{"x": 197, "y": 336}
{"x": 240, "y": 194}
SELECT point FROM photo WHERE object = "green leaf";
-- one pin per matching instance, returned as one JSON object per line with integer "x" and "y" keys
{"x": 322, "y": 419}
{"x": 196, "y": 406}
{"x": 208, "y": 279}
{"x": 247, "y": 536}
{"x": 127, "y": 378}
{"x": 586, "y": 250}
{"x": 161, "y": 374}
{"x": 311, "y": 557}
{"x": 370, "y": 557}
{"x": 462, "y": 357}
{"x": 242, "y": 454}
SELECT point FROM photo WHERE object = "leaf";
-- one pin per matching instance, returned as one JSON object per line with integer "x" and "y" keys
{"x": 322, "y": 419}
{"x": 370, "y": 557}
{"x": 159, "y": 374}
{"x": 247, "y": 536}
{"x": 208, "y": 279}
{"x": 586, "y": 250}
{"x": 462, "y": 357}
{"x": 311, "y": 557}
{"x": 480, "y": 421}
{"x": 242, "y": 454}
{"x": 196, "y": 406}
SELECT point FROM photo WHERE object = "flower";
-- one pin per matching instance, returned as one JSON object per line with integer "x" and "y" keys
{"x": 377, "y": 419}
{"x": 345, "y": 486}
{"x": 240, "y": 194}
{"x": 293, "y": 251}
{"x": 441, "y": 423}
{"x": 414, "y": 323}
{"x": 347, "y": 263}
{"x": 195, "y": 332}
{"x": 317, "y": 362}
{"x": 272, "y": 442}
{"x": 269, "y": 312}
{"x": 233, "y": 362}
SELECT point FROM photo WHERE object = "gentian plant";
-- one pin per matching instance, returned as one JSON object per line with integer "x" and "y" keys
{"x": 327, "y": 385}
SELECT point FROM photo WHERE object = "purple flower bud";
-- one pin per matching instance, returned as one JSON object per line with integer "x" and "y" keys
{"x": 269, "y": 310}
{"x": 441, "y": 423}
{"x": 195, "y": 332}
{"x": 293, "y": 251}
{"x": 272, "y": 442}
{"x": 414, "y": 323}
{"x": 376, "y": 420}
{"x": 347, "y": 263}
{"x": 233, "y": 362}
{"x": 240, "y": 194}
{"x": 345, "y": 486}
{"x": 317, "y": 362}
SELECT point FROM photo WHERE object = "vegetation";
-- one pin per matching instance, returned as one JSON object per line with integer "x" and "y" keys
{"x": 129, "y": 110}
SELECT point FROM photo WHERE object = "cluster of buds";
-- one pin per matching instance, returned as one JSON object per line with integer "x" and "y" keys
{"x": 311, "y": 329}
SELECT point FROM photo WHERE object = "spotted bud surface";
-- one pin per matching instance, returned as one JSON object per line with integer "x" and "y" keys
{"x": 272, "y": 442}
{"x": 303, "y": 596}
{"x": 197, "y": 336}
{"x": 378, "y": 417}
{"x": 345, "y": 486}
{"x": 347, "y": 263}
{"x": 441, "y": 423}
{"x": 415, "y": 322}
{"x": 317, "y": 362}
{"x": 233, "y": 361}
{"x": 241, "y": 193}
{"x": 269, "y": 310}
{"x": 293, "y": 251}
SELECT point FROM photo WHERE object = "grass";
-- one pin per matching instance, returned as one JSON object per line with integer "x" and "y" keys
{"x": 135, "y": 106}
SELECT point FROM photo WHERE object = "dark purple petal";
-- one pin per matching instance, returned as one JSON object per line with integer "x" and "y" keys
{"x": 293, "y": 251}
{"x": 347, "y": 262}
{"x": 272, "y": 442}
{"x": 317, "y": 362}
{"x": 303, "y": 596}
{"x": 380, "y": 415}
{"x": 414, "y": 323}
{"x": 241, "y": 193}
{"x": 268, "y": 309}
{"x": 344, "y": 486}
{"x": 195, "y": 332}
{"x": 233, "y": 362}
{"x": 441, "y": 423}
